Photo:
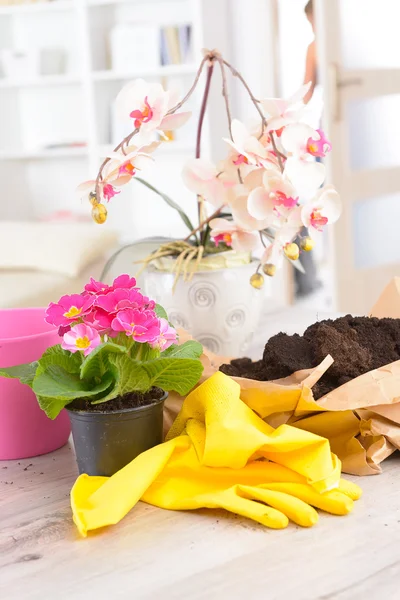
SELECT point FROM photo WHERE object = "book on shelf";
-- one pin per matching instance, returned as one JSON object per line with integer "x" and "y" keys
{"x": 175, "y": 45}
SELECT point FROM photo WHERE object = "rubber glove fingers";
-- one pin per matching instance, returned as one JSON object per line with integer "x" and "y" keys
{"x": 352, "y": 490}
{"x": 333, "y": 502}
{"x": 237, "y": 501}
{"x": 292, "y": 507}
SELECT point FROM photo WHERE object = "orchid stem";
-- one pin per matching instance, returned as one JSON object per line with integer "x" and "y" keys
{"x": 254, "y": 100}
{"x": 205, "y": 222}
{"x": 203, "y": 108}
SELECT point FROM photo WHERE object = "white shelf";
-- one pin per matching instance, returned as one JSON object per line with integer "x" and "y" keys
{"x": 40, "y": 81}
{"x": 34, "y": 7}
{"x": 116, "y": 2}
{"x": 44, "y": 154}
{"x": 163, "y": 71}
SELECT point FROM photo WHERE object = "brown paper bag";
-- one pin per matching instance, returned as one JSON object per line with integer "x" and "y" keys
{"x": 361, "y": 419}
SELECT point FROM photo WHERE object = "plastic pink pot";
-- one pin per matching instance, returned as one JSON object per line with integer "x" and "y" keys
{"x": 25, "y": 431}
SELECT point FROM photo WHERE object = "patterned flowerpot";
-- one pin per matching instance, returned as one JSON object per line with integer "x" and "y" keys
{"x": 218, "y": 306}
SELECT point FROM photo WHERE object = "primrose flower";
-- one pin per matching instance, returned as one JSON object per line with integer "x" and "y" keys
{"x": 148, "y": 104}
{"x": 122, "y": 281}
{"x": 233, "y": 235}
{"x": 323, "y": 209}
{"x": 142, "y": 326}
{"x": 81, "y": 338}
{"x": 201, "y": 177}
{"x": 120, "y": 299}
{"x": 168, "y": 336}
{"x": 68, "y": 309}
{"x": 250, "y": 150}
{"x": 280, "y": 112}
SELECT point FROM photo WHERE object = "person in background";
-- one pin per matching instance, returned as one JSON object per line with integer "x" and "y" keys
{"x": 311, "y": 73}
{"x": 307, "y": 283}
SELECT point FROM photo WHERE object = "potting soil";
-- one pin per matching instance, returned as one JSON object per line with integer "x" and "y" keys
{"x": 357, "y": 345}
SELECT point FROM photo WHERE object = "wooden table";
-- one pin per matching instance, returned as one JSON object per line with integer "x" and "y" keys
{"x": 205, "y": 554}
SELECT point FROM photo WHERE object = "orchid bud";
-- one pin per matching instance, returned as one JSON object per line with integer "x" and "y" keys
{"x": 99, "y": 213}
{"x": 307, "y": 244}
{"x": 269, "y": 269}
{"x": 257, "y": 281}
{"x": 292, "y": 251}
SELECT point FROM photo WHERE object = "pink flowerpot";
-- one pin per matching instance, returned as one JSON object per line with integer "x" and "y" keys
{"x": 25, "y": 431}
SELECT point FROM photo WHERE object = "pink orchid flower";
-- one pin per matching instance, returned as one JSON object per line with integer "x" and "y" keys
{"x": 148, "y": 104}
{"x": 68, "y": 309}
{"x": 201, "y": 177}
{"x": 233, "y": 235}
{"x": 302, "y": 170}
{"x": 319, "y": 147}
{"x": 107, "y": 191}
{"x": 142, "y": 326}
{"x": 281, "y": 112}
{"x": 250, "y": 150}
{"x": 123, "y": 166}
{"x": 168, "y": 336}
{"x": 323, "y": 209}
{"x": 276, "y": 193}
{"x": 81, "y": 338}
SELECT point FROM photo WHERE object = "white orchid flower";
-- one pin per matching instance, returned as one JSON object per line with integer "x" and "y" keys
{"x": 201, "y": 177}
{"x": 276, "y": 196}
{"x": 304, "y": 172}
{"x": 280, "y": 112}
{"x": 123, "y": 166}
{"x": 148, "y": 104}
{"x": 233, "y": 235}
{"x": 323, "y": 209}
{"x": 249, "y": 149}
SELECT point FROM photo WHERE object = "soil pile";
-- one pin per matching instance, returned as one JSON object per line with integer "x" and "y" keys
{"x": 357, "y": 344}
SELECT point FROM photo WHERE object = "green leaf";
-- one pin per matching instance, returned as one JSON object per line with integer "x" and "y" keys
{"x": 63, "y": 358}
{"x": 161, "y": 312}
{"x": 128, "y": 376}
{"x": 177, "y": 374}
{"x": 25, "y": 373}
{"x": 96, "y": 363}
{"x": 190, "y": 349}
{"x": 56, "y": 382}
{"x": 68, "y": 390}
{"x": 169, "y": 201}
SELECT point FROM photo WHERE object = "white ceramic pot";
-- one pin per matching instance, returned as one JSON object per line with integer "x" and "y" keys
{"x": 219, "y": 307}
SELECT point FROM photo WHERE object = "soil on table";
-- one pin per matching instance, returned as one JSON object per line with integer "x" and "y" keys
{"x": 131, "y": 400}
{"x": 357, "y": 345}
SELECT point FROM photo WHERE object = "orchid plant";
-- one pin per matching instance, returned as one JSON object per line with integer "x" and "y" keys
{"x": 114, "y": 341}
{"x": 259, "y": 197}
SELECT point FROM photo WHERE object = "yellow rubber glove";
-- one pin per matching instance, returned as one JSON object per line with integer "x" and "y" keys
{"x": 262, "y": 491}
{"x": 178, "y": 474}
{"x": 234, "y": 434}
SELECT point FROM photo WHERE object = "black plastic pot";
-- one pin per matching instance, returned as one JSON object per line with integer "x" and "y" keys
{"x": 107, "y": 441}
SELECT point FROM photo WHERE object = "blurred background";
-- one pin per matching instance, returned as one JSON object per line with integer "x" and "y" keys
{"x": 62, "y": 63}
